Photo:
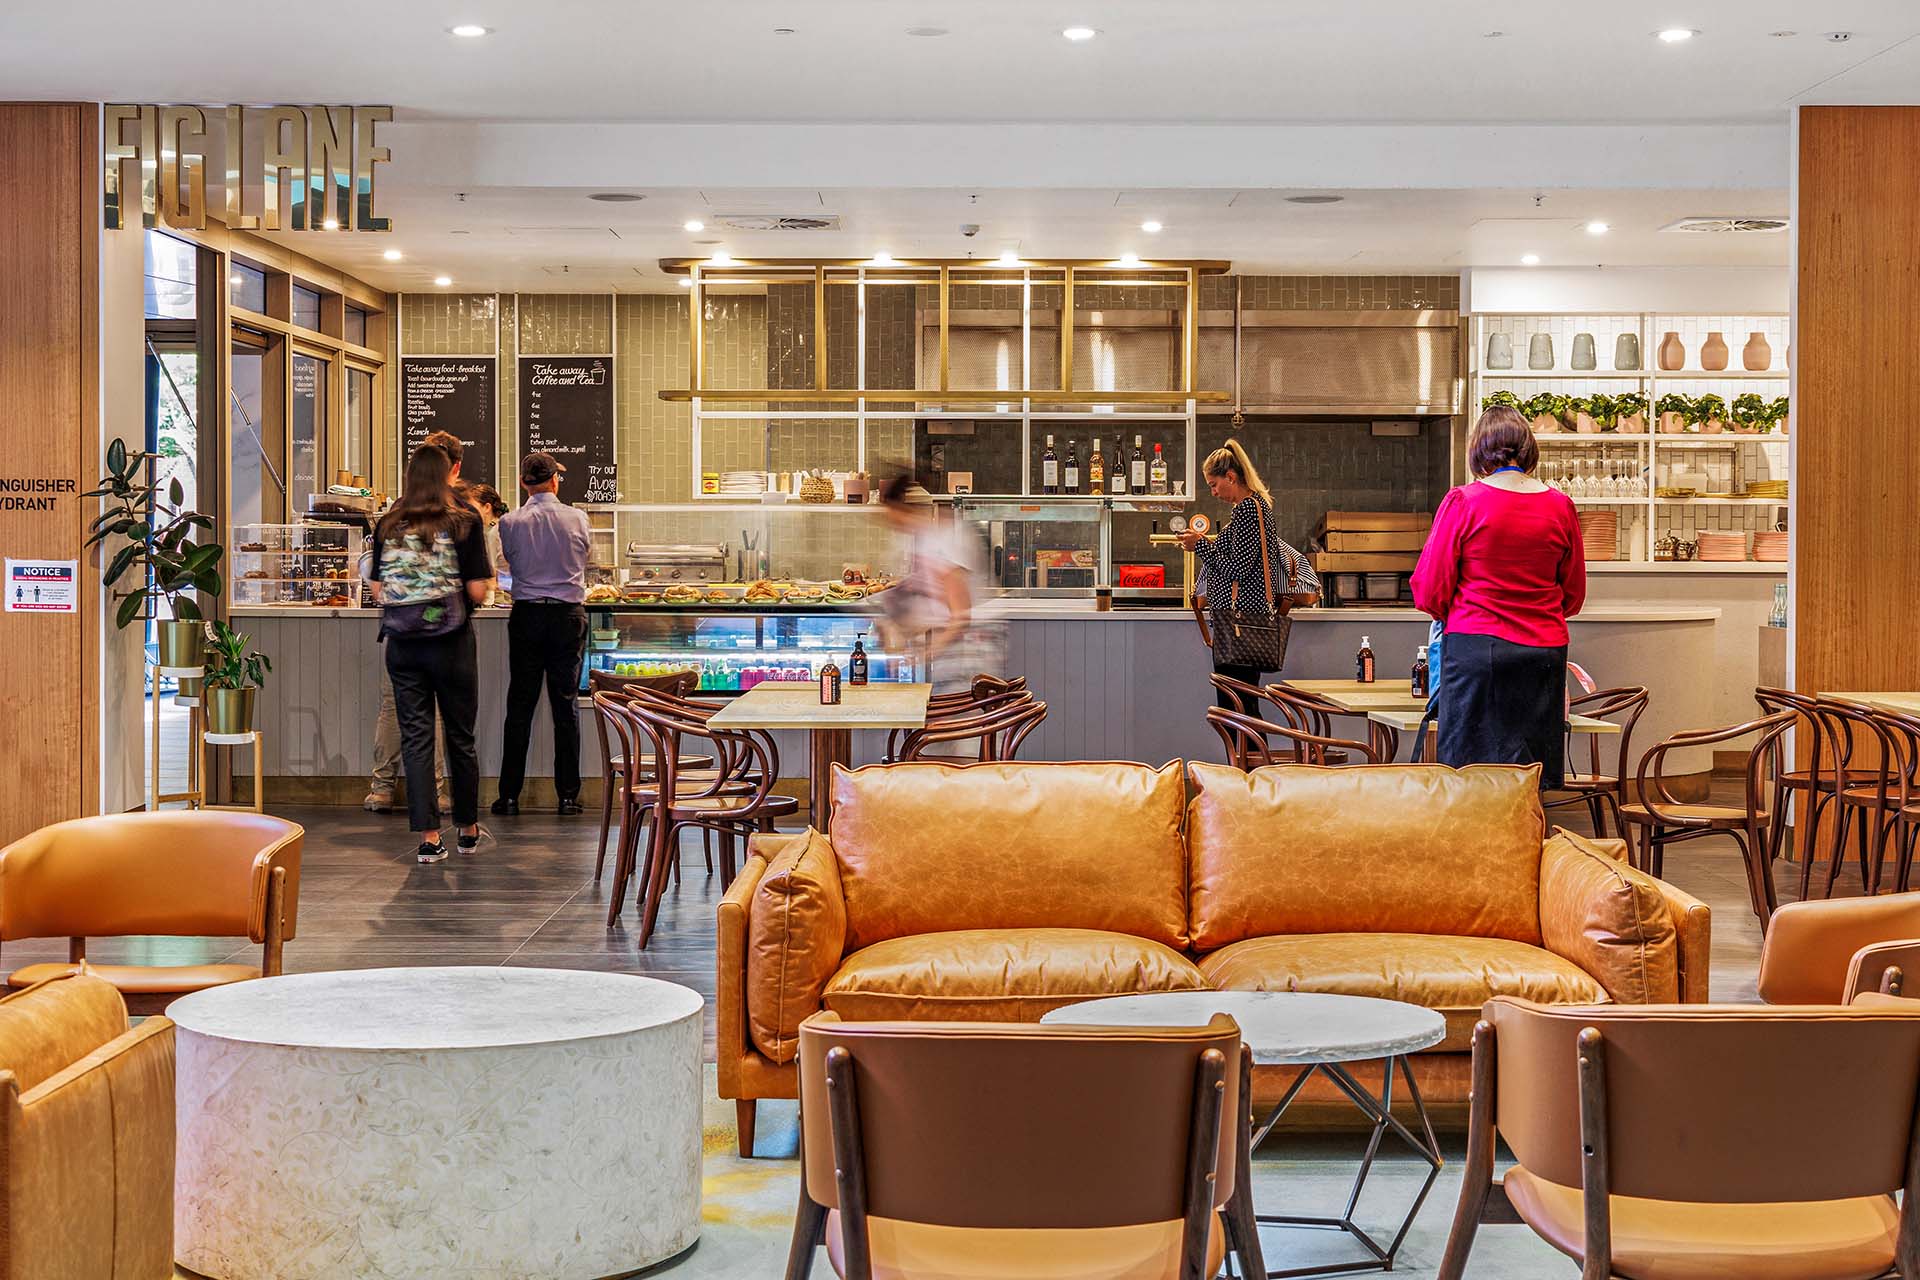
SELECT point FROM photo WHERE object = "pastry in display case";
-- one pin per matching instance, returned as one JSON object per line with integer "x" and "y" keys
{"x": 314, "y": 564}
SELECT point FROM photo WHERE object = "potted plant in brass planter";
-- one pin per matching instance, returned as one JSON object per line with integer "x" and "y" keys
{"x": 159, "y": 553}
{"x": 235, "y": 673}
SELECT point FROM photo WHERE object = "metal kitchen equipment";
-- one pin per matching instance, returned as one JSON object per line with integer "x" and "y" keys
{"x": 676, "y": 561}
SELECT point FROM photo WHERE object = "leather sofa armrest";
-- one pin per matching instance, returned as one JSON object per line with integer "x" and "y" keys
{"x": 730, "y": 965}
{"x": 107, "y": 1120}
{"x": 1693, "y": 941}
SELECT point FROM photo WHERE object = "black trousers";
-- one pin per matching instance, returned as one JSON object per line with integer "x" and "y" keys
{"x": 1503, "y": 703}
{"x": 442, "y": 673}
{"x": 1234, "y": 671}
{"x": 545, "y": 643}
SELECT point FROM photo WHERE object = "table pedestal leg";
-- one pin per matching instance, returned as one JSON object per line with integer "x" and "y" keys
{"x": 1380, "y": 1111}
{"x": 826, "y": 747}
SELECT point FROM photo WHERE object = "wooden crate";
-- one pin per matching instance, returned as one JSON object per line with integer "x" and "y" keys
{"x": 1373, "y": 522}
{"x": 1325, "y": 562}
{"x": 1340, "y": 540}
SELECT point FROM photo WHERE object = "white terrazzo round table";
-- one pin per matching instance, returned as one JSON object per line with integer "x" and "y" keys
{"x": 1321, "y": 1033}
{"x": 389, "y": 1123}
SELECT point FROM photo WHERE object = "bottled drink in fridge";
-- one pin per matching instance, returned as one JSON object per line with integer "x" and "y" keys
{"x": 1137, "y": 467}
{"x": 1157, "y": 473}
{"x": 1049, "y": 469}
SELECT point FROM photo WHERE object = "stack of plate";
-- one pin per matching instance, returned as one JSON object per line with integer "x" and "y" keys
{"x": 738, "y": 484}
{"x": 1770, "y": 545}
{"x": 1768, "y": 489}
{"x": 1600, "y": 532}
{"x": 1722, "y": 546}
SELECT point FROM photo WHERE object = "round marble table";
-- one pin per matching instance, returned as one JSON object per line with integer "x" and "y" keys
{"x": 1321, "y": 1033}
{"x": 538, "y": 1123}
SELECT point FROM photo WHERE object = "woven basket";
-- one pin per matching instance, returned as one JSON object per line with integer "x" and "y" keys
{"x": 816, "y": 489}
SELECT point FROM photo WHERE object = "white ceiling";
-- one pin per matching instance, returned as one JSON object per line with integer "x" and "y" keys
{"x": 1004, "y": 60}
{"x": 533, "y": 240}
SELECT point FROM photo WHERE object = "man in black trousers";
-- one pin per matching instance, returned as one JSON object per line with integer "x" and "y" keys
{"x": 546, "y": 544}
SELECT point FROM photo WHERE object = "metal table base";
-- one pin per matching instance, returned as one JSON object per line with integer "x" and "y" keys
{"x": 1380, "y": 1111}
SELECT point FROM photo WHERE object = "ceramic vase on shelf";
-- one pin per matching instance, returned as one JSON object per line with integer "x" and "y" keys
{"x": 1499, "y": 351}
{"x": 1545, "y": 424}
{"x": 1713, "y": 353}
{"x": 1756, "y": 355}
{"x": 1673, "y": 352}
{"x": 1540, "y": 351}
{"x": 1626, "y": 351}
{"x": 1583, "y": 353}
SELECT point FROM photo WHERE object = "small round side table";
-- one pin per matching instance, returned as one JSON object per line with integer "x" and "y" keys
{"x": 1322, "y": 1033}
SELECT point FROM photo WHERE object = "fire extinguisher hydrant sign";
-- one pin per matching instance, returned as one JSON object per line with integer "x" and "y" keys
{"x": 43, "y": 586}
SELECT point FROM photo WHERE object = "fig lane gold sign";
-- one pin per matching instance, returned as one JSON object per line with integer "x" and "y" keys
{"x": 314, "y": 166}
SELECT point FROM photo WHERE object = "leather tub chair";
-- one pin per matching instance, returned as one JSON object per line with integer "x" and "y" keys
{"x": 175, "y": 873}
{"x": 933, "y": 1150}
{"x": 1672, "y": 1144}
{"x": 1810, "y": 948}
{"x": 87, "y": 1128}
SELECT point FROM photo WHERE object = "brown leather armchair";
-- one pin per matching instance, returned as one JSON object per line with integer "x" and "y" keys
{"x": 175, "y": 873}
{"x": 1000, "y": 891}
{"x": 1669, "y": 1144}
{"x": 1810, "y": 947}
{"x": 86, "y": 1124}
{"x": 937, "y": 1149}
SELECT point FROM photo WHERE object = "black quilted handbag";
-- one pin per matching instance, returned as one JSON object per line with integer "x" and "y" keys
{"x": 1244, "y": 638}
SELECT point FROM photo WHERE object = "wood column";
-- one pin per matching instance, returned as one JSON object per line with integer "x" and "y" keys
{"x": 1856, "y": 400}
{"x": 49, "y": 430}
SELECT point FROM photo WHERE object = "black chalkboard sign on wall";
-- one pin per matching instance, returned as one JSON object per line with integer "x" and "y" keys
{"x": 456, "y": 394}
{"x": 567, "y": 411}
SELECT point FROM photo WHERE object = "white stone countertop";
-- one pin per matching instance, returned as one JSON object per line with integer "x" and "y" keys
{"x": 1283, "y": 1028}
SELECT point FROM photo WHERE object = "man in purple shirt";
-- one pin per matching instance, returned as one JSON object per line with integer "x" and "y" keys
{"x": 546, "y": 543}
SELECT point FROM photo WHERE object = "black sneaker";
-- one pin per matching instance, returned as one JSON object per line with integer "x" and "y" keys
{"x": 506, "y": 808}
{"x": 475, "y": 842}
{"x": 430, "y": 851}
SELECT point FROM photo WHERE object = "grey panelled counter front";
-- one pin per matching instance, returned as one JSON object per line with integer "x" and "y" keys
{"x": 1125, "y": 685}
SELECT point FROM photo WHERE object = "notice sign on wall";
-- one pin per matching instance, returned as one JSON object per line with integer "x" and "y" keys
{"x": 453, "y": 394}
{"x": 43, "y": 586}
{"x": 568, "y": 412}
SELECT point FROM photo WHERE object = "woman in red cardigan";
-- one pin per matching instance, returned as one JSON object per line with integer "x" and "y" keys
{"x": 1502, "y": 571}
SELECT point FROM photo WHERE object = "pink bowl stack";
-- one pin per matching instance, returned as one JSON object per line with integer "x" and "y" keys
{"x": 1770, "y": 545}
{"x": 1722, "y": 546}
{"x": 1600, "y": 533}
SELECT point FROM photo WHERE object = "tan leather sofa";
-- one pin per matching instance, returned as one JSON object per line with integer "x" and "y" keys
{"x": 998, "y": 892}
{"x": 86, "y": 1125}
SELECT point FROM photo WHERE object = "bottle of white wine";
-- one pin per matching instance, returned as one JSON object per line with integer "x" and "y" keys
{"x": 1097, "y": 469}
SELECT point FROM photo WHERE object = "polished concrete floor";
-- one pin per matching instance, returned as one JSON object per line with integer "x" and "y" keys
{"x": 532, "y": 899}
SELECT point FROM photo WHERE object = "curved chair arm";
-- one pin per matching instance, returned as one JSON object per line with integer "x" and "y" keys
{"x": 1248, "y": 737}
{"x": 1652, "y": 765}
{"x": 1626, "y": 703}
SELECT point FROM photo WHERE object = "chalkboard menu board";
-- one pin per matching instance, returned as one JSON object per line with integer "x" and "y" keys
{"x": 567, "y": 411}
{"x": 455, "y": 394}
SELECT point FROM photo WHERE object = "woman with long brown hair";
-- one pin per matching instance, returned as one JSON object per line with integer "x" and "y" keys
{"x": 430, "y": 569}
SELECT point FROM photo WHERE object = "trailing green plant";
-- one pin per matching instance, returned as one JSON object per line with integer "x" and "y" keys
{"x": 231, "y": 662}
{"x": 1776, "y": 413}
{"x": 1749, "y": 412}
{"x": 1629, "y": 404}
{"x": 1708, "y": 408}
{"x": 160, "y": 547}
{"x": 1674, "y": 402}
{"x": 1506, "y": 398}
{"x": 1604, "y": 410}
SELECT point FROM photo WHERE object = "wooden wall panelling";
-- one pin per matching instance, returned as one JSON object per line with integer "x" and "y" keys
{"x": 49, "y": 428}
{"x": 1856, "y": 399}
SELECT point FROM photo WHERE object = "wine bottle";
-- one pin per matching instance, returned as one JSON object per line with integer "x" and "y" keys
{"x": 1070, "y": 480}
{"x": 1157, "y": 473}
{"x": 1117, "y": 473}
{"x": 1137, "y": 467}
{"x": 1097, "y": 469}
{"x": 1049, "y": 469}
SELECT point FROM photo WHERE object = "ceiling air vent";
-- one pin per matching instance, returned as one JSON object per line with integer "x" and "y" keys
{"x": 1738, "y": 226}
{"x": 779, "y": 221}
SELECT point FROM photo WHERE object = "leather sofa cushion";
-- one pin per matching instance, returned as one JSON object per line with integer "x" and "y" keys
{"x": 1001, "y": 975}
{"x": 796, "y": 935}
{"x": 1609, "y": 919}
{"x": 921, "y": 1251}
{"x": 1393, "y": 849}
{"x": 44, "y": 1031}
{"x": 1674, "y": 1240}
{"x": 928, "y": 848}
{"x": 144, "y": 979}
{"x": 1452, "y": 975}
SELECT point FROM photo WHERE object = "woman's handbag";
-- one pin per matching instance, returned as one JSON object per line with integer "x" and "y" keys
{"x": 426, "y": 619}
{"x": 1242, "y": 638}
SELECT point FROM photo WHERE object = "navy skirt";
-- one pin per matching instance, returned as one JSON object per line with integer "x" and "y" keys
{"x": 1503, "y": 703}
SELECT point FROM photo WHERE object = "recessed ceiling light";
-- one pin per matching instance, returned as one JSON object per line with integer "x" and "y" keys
{"x": 1008, "y": 258}
{"x": 928, "y": 33}
{"x": 1676, "y": 35}
{"x": 470, "y": 30}
{"x": 391, "y": 255}
{"x": 443, "y": 281}
{"x": 1782, "y": 35}
{"x": 693, "y": 224}
{"x": 331, "y": 224}
{"x": 1492, "y": 35}
{"x": 686, "y": 282}
{"x": 1129, "y": 259}
{"x": 783, "y": 31}
{"x": 1529, "y": 259}
{"x": 1315, "y": 199}
{"x": 882, "y": 259}
{"x": 1597, "y": 228}
{"x": 1151, "y": 227}
{"x": 1079, "y": 35}
{"x": 1838, "y": 37}
{"x": 720, "y": 258}
{"x": 616, "y": 197}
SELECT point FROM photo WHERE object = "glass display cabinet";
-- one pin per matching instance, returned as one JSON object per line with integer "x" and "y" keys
{"x": 314, "y": 563}
{"x": 734, "y": 648}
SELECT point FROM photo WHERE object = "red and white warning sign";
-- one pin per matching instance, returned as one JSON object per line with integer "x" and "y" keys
{"x": 43, "y": 586}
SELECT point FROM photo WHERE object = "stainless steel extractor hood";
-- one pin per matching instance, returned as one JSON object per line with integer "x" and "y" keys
{"x": 1350, "y": 363}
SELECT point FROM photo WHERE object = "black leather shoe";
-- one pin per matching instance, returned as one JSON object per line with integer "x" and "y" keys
{"x": 506, "y": 808}
{"x": 569, "y": 808}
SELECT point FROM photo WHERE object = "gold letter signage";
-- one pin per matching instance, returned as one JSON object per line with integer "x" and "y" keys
{"x": 314, "y": 167}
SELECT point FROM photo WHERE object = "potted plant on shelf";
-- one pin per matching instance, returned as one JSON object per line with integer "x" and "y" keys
{"x": 1777, "y": 413}
{"x": 1506, "y": 398}
{"x": 160, "y": 552}
{"x": 235, "y": 673}
{"x": 1710, "y": 412}
{"x": 1749, "y": 414}
{"x": 1605, "y": 410}
{"x": 1543, "y": 412}
{"x": 1578, "y": 415}
{"x": 1675, "y": 413}
{"x": 1630, "y": 412}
